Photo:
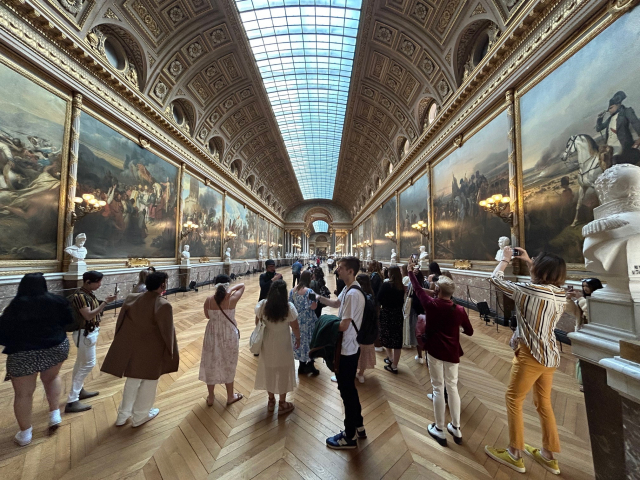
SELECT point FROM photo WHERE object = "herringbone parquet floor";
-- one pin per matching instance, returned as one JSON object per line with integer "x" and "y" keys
{"x": 189, "y": 440}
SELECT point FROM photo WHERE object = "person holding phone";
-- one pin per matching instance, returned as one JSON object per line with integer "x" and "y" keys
{"x": 304, "y": 299}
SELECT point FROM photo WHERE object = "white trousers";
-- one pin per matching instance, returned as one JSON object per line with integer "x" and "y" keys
{"x": 444, "y": 373}
{"x": 85, "y": 361}
{"x": 137, "y": 399}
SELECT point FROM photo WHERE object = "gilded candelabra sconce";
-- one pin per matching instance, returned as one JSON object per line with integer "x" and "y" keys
{"x": 228, "y": 236}
{"x": 497, "y": 204}
{"x": 187, "y": 228}
{"x": 391, "y": 236}
{"x": 422, "y": 228}
{"x": 85, "y": 205}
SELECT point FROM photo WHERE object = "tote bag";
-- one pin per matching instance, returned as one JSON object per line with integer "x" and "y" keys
{"x": 255, "y": 341}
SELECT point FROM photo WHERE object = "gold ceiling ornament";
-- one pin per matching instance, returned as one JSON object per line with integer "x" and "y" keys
{"x": 462, "y": 264}
{"x": 134, "y": 262}
{"x": 144, "y": 142}
{"x": 457, "y": 142}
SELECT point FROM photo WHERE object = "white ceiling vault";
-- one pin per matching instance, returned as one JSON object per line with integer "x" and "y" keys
{"x": 312, "y": 101}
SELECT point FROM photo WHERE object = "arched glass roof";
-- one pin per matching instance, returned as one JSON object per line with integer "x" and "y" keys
{"x": 320, "y": 226}
{"x": 304, "y": 50}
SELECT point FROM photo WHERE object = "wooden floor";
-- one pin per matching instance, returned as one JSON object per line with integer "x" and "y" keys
{"x": 190, "y": 440}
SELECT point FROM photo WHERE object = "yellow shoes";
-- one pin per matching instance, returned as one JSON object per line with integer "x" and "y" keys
{"x": 502, "y": 456}
{"x": 548, "y": 465}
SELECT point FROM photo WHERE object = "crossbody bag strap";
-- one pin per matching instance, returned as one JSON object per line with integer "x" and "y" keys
{"x": 227, "y": 317}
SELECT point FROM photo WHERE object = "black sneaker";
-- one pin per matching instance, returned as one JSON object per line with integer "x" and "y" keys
{"x": 341, "y": 442}
{"x": 361, "y": 433}
{"x": 302, "y": 369}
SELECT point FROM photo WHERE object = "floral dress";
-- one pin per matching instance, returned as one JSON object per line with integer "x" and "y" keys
{"x": 307, "y": 320}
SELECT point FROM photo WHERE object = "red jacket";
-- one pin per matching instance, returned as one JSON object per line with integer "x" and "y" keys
{"x": 444, "y": 319}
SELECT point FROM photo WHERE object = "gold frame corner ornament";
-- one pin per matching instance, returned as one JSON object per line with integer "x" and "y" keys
{"x": 620, "y": 7}
{"x": 462, "y": 264}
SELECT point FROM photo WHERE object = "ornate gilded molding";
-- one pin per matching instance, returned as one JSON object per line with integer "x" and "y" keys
{"x": 462, "y": 264}
{"x": 138, "y": 262}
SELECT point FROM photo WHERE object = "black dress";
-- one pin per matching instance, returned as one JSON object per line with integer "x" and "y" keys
{"x": 391, "y": 318}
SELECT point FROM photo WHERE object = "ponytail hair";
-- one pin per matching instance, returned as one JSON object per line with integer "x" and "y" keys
{"x": 221, "y": 283}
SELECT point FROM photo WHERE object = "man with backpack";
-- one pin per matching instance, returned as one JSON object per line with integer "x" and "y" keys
{"x": 296, "y": 268}
{"x": 351, "y": 305}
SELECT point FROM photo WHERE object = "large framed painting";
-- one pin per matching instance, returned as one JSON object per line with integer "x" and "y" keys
{"x": 273, "y": 233}
{"x": 414, "y": 206}
{"x": 384, "y": 221}
{"x": 578, "y": 114}
{"x": 473, "y": 172}
{"x": 263, "y": 229}
{"x": 366, "y": 233}
{"x": 354, "y": 238}
{"x": 139, "y": 187}
{"x": 361, "y": 237}
{"x": 202, "y": 205}
{"x": 243, "y": 222}
{"x": 33, "y": 146}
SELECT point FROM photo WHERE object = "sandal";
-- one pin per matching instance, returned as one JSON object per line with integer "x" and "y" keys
{"x": 285, "y": 407}
{"x": 236, "y": 397}
{"x": 387, "y": 361}
{"x": 209, "y": 404}
{"x": 389, "y": 368}
{"x": 271, "y": 405}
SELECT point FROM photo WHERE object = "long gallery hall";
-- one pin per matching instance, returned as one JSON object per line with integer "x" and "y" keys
{"x": 320, "y": 239}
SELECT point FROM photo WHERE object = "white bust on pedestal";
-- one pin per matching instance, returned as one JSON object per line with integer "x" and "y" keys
{"x": 278, "y": 254}
{"x": 423, "y": 259}
{"x": 393, "y": 256}
{"x": 271, "y": 256}
{"x": 185, "y": 256}
{"x": 502, "y": 242}
{"x": 260, "y": 253}
{"x": 368, "y": 254}
{"x": 227, "y": 255}
{"x": 78, "y": 253}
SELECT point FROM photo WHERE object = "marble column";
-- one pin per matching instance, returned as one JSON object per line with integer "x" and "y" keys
{"x": 513, "y": 167}
{"x": 72, "y": 176}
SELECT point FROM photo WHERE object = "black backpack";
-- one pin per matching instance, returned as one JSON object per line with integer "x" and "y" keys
{"x": 368, "y": 332}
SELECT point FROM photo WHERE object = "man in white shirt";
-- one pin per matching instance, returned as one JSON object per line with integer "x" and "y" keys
{"x": 350, "y": 303}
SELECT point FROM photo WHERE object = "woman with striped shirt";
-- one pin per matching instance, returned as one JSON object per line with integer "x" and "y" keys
{"x": 539, "y": 305}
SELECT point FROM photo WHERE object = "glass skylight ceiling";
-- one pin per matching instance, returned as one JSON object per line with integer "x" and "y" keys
{"x": 320, "y": 226}
{"x": 304, "y": 50}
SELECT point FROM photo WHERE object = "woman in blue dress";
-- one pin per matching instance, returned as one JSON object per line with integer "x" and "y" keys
{"x": 305, "y": 306}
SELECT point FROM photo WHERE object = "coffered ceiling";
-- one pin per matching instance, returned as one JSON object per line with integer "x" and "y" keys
{"x": 195, "y": 54}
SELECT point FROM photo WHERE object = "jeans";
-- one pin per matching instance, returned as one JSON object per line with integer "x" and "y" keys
{"x": 137, "y": 399}
{"x": 296, "y": 276}
{"x": 85, "y": 361}
{"x": 528, "y": 373}
{"x": 346, "y": 377}
{"x": 444, "y": 373}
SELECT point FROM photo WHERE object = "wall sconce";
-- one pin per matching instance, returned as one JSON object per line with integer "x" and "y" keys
{"x": 421, "y": 227}
{"x": 262, "y": 242}
{"x": 497, "y": 204}
{"x": 229, "y": 236}
{"x": 367, "y": 243}
{"x": 85, "y": 205}
{"x": 188, "y": 228}
{"x": 391, "y": 236}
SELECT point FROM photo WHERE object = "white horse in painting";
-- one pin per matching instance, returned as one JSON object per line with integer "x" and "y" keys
{"x": 588, "y": 163}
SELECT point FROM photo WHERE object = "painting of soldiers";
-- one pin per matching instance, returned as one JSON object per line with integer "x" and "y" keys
{"x": 202, "y": 205}
{"x": 140, "y": 191}
{"x": 244, "y": 223}
{"x": 414, "y": 206}
{"x": 384, "y": 220}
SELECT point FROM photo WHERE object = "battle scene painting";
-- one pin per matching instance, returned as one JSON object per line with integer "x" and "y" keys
{"x": 202, "y": 206}
{"x": 140, "y": 191}
{"x": 384, "y": 221}
{"x": 243, "y": 222}
{"x": 575, "y": 122}
{"x": 32, "y": 127}
{"x": 414, "y": 206}
{"x": 263, "y": 235}
{"x": 473, "y": 172}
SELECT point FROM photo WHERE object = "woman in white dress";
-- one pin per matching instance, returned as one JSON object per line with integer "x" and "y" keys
{"x": 276, "y": 369}
{"x": 221, "y": 339}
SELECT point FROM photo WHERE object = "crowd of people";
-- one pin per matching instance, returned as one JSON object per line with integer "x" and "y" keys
{"x": 410, "y": 310}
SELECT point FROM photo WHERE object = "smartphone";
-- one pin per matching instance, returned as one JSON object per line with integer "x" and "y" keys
{"x": 516, "y": 253}
{"x": 312, "y": 297}
{"x": 414, "y": 257}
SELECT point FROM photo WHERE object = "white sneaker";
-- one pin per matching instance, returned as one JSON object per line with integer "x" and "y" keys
{"x": 420, "y": 360}
{"x": 360, "y": 378}
{"x": 24, "y": 437}
{"x": 379, "y": 349}
{"x": 153, "y": 413}
{"x": 121, "y": 420}
{"x": 430, "y": 396}
{"x": 334, "y": 379}
{"x": 54, "y": 419}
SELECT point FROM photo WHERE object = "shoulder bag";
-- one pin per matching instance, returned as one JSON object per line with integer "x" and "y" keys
{"x": 255, "y": 341}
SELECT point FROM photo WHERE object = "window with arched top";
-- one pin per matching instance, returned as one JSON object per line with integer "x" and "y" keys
{"x": 432, "y": 113}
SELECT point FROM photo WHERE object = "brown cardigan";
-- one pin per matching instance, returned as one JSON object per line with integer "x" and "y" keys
{"x": 144, "y": 345}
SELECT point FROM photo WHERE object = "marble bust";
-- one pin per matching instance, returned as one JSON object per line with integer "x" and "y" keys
{"x": 227, "y": 256}
{"x": 423, "y": 259}
{"x": 502, "y": 242}
{"x": 612, "y": 240}
{"x": 368, "y": 253}
{"x": 78, "y": 253}
{"x": 278, "y": 254}
{"x": 260, "y": 253}
{"x": 185, "y": 256}
{"x": 393, "y": 256}
{"x": 271, "y": 256}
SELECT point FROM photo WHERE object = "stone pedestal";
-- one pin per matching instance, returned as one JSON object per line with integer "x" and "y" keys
{"x": 77, "y": 268}
{"x": 185, "y": 262}
{"x": 72, "y": 280}
{"x": 184, "y": 277}
{"x": 227, "y": 268}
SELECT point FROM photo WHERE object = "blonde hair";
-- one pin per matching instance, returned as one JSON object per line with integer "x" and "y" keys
{"x": 446, "y": 286}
